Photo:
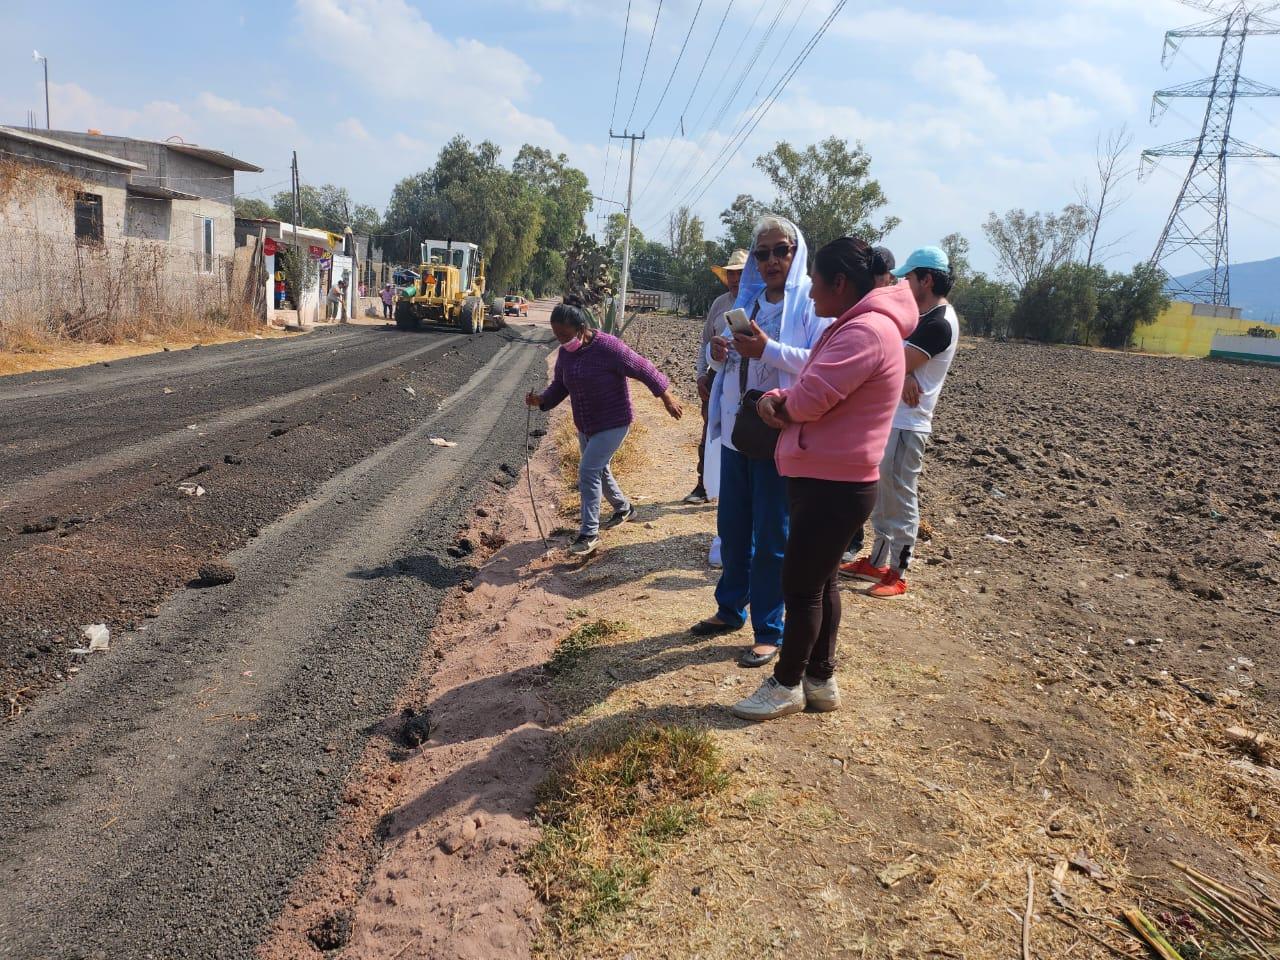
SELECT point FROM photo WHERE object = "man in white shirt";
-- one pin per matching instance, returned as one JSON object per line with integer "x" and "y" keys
{"x": 730, "y": 275}
{"x": 929, "y": 351}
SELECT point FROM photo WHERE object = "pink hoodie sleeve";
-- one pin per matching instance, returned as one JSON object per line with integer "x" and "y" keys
{"x": 839, "y": 368}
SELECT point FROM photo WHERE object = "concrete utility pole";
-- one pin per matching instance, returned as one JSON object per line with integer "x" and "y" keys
{"x": 35, "y": 55}
{"x": 297, "y": 251}
{"x": 626, "y": 237}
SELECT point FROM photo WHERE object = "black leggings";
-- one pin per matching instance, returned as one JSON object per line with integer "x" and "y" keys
{"x": 824, "y": 516}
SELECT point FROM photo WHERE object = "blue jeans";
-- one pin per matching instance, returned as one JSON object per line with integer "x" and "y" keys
{"x": 752, "y": 522}
{"x": 594, "y": 473}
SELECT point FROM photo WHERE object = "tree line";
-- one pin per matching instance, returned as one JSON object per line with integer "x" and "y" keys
{"x": 528, "y": 217}
{"x": 825, "y": 189}
{"x": 524, "y": 217}
{"x": 1053, "y": 287}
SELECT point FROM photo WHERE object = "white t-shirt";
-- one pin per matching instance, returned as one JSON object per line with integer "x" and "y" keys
{"x": 936, "y": 336}
{"x": 760, "y": 375}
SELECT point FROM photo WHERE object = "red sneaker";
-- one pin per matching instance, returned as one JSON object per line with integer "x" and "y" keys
{"x": 863, "y": 569}
{"x": 890, "y": 587}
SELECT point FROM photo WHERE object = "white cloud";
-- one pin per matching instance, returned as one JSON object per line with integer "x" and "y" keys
{"x": 234, "y": 112}
{"x": 1039, "y": 24}
{"x": 975, "y": 88}
{"x": 1104, "y": 83}
{"x": 352, "y": 128}
{"x": 74, "y": 108}
{"x": 452, "y": 84}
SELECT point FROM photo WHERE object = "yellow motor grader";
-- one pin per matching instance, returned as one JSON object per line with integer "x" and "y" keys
{"x": 449, "y": 289}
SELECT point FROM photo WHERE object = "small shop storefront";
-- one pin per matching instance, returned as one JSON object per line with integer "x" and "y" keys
{"x": 330, "y": 261}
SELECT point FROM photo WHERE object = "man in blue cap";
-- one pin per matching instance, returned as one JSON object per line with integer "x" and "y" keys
{"x": 929, "y": 351}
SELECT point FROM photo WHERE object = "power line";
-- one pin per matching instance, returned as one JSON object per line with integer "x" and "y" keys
{"x": 617, "y": 86}
{"x": 644, "y": 69}
{"x": 716, "y": 168}
{"x": 706, "y": 136}
{"x": 1231, "y": 203}
{"x": 680, "y": 120}
{"x": 725, "y": 73}
{"x": 785, "y": 40}
{"x": 742, "y": 78}
{"x": 645, "y": 66}
{"x": 751, "y": 64}
{"x": 675, "y": 67}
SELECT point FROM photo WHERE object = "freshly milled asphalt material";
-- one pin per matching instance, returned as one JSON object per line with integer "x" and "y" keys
{"x": 161, "y": 803}
{"x": 93, "y": 527}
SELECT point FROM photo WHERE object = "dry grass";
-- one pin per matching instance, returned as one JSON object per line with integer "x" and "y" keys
{"x": 116, "y": 290}
{"x": 25, "y": 351}
{"x": 576, "y": 646}
{"x": 626, "y": 462}
{"x": 903, "y": 826}
{"x": 608, "y": 814}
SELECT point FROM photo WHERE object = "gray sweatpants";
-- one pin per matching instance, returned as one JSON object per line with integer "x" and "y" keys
{"x": 896, "y": 518}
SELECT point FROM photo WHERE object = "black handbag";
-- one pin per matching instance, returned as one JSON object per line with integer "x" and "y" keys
{"x": 752, "y": 437}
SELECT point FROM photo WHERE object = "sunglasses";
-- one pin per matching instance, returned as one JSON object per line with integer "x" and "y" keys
{"x": 781, "y": 251}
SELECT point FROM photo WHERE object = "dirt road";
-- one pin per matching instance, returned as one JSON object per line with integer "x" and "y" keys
{"x": 159, "y": 798}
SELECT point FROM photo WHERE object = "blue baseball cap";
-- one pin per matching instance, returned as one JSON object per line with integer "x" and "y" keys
{"x": 928, "y": 258}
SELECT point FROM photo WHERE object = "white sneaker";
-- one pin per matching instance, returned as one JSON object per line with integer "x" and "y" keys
{"x": 771, "y": 701}
{"x": 713, "y": 555}
{"x": 823, "y": 696}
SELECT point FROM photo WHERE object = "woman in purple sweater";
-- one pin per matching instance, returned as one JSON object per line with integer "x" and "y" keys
{"x": 592, "y": 371}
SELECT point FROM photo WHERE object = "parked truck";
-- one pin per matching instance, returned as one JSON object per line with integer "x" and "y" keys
{"x": 449, "y": 288}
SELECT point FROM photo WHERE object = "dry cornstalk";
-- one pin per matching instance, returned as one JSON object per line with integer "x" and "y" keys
{"x": 1151, "y": 935}
{"x": 1026, "y": 916}
{"x": 1225, "y": 890}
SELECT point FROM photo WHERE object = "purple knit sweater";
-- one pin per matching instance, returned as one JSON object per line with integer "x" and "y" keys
{"x": 594, "y": 378}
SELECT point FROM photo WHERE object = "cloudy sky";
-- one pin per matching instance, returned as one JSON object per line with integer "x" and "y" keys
{"x": 964, "y": 107}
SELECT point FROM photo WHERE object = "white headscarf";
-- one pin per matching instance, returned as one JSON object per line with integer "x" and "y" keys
{"x": 796, "y": 305}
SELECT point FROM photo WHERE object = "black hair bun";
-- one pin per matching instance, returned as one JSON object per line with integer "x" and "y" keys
{"x": 573, "y": 300}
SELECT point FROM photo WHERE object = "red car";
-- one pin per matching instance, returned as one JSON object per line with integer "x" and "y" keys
{"x": 515, "y": 306}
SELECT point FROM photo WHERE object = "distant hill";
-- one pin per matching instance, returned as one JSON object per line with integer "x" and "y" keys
{"x": 1255, "y": 288}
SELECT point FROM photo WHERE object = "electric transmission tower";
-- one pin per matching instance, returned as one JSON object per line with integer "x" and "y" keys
{"x": 1198, "y": 221}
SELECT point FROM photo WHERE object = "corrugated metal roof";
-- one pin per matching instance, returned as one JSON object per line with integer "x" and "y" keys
{"x": 62, "y": 146}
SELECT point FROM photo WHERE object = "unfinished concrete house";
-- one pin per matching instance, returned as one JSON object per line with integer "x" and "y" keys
{"x": 99, "y": 231}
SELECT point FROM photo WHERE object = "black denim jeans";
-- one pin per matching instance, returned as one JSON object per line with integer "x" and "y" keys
{"x": 824, "y": 516}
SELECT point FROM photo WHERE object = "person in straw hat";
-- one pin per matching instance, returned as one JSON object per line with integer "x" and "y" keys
{"x": 730, "y": 274}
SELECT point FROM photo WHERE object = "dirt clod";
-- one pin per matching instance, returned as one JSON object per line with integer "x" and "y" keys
{"x": 215, "y": 573}
{"x": 416, "y": 729}
{"x": 331, "y": 933}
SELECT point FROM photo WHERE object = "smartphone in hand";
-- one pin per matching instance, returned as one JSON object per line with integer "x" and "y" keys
{"x": 738, "y": 320}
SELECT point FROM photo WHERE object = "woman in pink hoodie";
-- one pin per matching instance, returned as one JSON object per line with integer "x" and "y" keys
{"x": 835, "y": 422}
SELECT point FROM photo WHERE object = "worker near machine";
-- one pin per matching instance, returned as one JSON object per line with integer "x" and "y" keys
{"x": 592, "y": 370}
{"x": 388, "y": 298}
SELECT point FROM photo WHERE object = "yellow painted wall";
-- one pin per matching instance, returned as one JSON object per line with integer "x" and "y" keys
{"x": 1178, "y": 331}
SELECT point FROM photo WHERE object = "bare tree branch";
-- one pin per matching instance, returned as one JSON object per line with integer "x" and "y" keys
{"x": 1113, "y": 169}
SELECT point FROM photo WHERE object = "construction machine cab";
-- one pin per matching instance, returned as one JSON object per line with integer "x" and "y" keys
{"x": 450, "y": 289}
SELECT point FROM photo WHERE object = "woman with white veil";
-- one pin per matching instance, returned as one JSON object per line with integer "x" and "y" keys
{"x": 751, "y": 517}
